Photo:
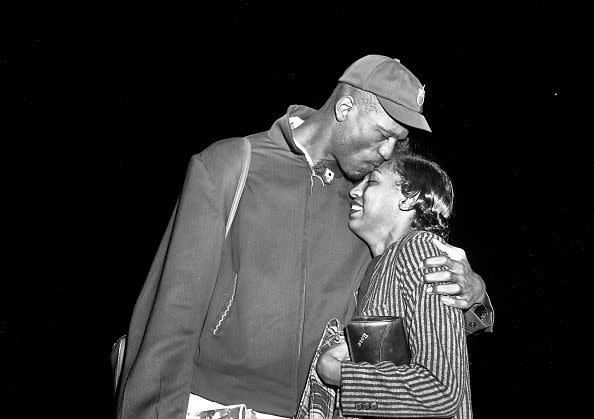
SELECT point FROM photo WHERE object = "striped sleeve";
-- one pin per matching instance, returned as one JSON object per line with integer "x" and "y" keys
{"x": 433, "y": 383}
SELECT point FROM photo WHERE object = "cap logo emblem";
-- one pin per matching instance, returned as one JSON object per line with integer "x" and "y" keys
{"x": 421, "y": 96}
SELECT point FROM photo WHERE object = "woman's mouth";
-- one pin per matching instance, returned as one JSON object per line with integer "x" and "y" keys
{"x": 355, "y": 208}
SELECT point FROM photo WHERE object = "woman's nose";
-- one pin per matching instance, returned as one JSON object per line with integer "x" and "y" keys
{"x": 356, "y": 191}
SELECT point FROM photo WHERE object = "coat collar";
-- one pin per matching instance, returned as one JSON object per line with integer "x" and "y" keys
{"x": 281, "y": 133}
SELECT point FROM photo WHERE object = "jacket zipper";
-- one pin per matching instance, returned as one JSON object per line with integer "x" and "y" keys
{"x": 303, "y": 289}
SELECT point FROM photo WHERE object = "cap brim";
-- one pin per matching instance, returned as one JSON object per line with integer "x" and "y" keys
{"x": 404, "y": 115}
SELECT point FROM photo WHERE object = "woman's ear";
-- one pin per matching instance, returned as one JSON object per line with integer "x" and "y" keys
{"x": 409, "y": 202}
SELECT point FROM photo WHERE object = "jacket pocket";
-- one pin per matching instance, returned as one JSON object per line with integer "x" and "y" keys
{"x": 224, "y": 312}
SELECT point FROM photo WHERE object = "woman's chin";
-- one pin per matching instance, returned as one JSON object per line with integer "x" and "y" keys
{"x": 355, "y": 226}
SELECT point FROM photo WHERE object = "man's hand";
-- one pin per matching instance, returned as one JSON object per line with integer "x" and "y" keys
{"x": 330, "y": 362}
{"x": 464, "y": 287}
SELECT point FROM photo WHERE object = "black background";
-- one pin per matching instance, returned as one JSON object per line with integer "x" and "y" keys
{"x": 107, "y": 102}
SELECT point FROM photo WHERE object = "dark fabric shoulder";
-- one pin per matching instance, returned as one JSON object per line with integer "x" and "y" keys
{"x": 222, "y": 161}
{"x": 218, "y": 156}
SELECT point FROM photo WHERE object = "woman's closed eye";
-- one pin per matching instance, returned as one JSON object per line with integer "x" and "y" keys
{"x": 374, "y": 177}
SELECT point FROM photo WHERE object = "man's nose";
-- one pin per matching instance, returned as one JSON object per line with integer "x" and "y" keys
{"x": 387, "y": 149}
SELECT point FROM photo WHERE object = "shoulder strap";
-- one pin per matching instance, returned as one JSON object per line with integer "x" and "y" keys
{"x": 240, "y": 183}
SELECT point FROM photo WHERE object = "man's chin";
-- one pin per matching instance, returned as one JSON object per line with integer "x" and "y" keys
{"x": 357, "y": 175}
{"x": 354, "y": 176}
{"x": 356, "y": 171}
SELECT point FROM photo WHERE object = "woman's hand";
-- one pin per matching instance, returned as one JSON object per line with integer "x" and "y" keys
{"x": 330, "y": 362}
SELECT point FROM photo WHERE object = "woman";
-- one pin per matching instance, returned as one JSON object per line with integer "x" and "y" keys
{"x": 400, "y": 210}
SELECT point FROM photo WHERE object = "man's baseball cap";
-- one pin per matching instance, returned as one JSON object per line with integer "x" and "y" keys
{"x": 399, "y": 92}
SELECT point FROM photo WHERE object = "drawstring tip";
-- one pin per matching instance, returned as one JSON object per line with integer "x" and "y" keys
{"x": 311, "y": 178}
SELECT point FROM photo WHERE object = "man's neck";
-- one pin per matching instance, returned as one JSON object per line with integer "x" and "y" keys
{"x": 314, "y": 135}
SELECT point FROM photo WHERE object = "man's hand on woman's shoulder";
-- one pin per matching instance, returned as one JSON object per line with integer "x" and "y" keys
{"x": 459, "y": 286}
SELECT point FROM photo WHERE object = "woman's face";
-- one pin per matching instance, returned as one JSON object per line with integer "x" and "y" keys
{"x": 375, "y": 203}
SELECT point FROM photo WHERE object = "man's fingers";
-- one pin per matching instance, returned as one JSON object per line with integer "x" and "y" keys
{"x": 452, "y": 265}
{"x": 455, "y": 302}
{"x": 445, "y": 289}
{"x": 455, "y": 266}
{"x": 444, "y": 247}
{"x": 439, "y": 276}
{"x": 453, "y": 252}
{"x": 435, "y": 261}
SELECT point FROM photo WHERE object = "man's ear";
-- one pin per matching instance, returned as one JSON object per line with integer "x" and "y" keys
{"x": 408, "y": 203}
{"x": 342, "y": 108}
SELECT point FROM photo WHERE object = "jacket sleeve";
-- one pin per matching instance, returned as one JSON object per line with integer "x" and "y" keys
{"x": 480, "y": 318}
{"x": 432, "y": 384}
{"x": 170, "y": 311}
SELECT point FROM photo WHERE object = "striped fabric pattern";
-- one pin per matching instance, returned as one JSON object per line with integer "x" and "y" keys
{"x": 437, "y": 382}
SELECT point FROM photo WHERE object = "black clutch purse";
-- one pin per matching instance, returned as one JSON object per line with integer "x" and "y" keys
{"x": 376, "y": 339}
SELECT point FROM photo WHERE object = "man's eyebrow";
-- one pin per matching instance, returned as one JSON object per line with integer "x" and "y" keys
{"x": 392, "y": 133}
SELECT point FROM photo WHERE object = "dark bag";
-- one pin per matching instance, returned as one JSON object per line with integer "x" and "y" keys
{"x": 118, "y": 349}
{"x": 376, "y": 339}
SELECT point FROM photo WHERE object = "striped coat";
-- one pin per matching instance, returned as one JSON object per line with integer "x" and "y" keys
{"x": 436, "y": 383}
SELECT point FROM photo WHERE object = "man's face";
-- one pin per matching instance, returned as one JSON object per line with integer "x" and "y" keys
{"x": 365, "y": 140}
{"x": 375, "y": 203}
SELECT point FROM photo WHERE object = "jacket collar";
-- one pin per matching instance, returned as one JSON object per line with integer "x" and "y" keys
{"x": 281, "y": 133}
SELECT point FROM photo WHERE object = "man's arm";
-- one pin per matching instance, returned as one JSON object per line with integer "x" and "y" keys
{"x": 460, "y": 287}
{"x": 434, "y": 383}
{"x": 170, "y": 311}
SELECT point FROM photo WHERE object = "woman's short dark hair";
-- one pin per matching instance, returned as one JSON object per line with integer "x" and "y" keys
{"x": 434, "y": 188}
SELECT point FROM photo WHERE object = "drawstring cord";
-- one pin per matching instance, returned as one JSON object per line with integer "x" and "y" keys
{"x": 311, "y": 168}
{"x": 309, "y": 160}
{"x": 311, "y": 178}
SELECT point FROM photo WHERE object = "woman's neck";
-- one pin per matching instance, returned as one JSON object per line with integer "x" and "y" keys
{"x": 380, "y": 244}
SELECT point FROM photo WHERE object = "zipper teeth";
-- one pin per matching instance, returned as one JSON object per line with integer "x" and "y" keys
{"x": 303, "y": 291}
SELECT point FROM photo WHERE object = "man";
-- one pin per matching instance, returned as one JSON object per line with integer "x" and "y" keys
{"x": 238, "y": 320}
